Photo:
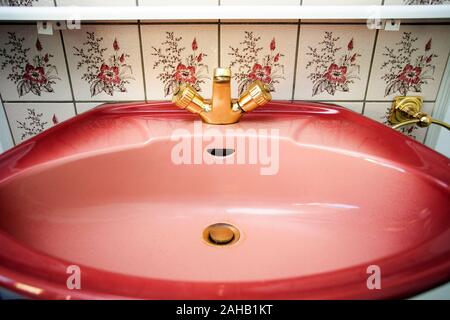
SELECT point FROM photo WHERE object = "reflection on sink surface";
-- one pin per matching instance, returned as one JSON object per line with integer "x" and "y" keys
{"x": 102, "y": 191}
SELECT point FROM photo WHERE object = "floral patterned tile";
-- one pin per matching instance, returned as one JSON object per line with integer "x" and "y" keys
{"x": 177, "y": 53}
{"x": 409, "y": 62}
{"x": 342, "y": 2}
{"x": 415, "y": 2}
{"x": 110, "y": 3}
{"x": 333, "y": 62}
{"x": 28, "y": 3}
{"x": 32, "y": 67}
{"x": 105, "y": 62}
{"x": 86, "y": 106}
{"x": 379, "y": 111}
{"x": 28, "y": 119}
{"x": 260, "y": 52}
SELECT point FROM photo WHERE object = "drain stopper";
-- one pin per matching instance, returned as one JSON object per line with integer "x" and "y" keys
{"x": 220, "y": 234}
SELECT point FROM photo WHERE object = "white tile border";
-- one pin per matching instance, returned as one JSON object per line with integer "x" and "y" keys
{"x": 167, "y": 12}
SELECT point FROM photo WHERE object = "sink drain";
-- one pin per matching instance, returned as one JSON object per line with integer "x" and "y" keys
{"x": 221, "y": 234}
{"x": 220, "y": 152}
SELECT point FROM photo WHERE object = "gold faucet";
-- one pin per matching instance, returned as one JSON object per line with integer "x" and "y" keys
{"x": 221, "y": 109}
{"x": 408, "y": 110}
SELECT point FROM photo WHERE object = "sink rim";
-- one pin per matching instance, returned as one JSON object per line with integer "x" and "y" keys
{"x": 119, "y": 286}
{"x": 19, "y": 257}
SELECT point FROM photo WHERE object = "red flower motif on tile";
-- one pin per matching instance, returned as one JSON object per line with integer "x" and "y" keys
{"x": 38, "y": 45}
{"x": 177, "y": 69}
{"x": 55, "y": 119}
{"x": 252, "y": 65}
{"x": 260, "y": 73}
{"x": 272, "y": 45}
{"x": 336, "y": 74}
{"x": 116, "y": 45}
{"x": 350, "y": 45}
{"x": 332, "y": 72}
{"x": 405, "y": 70}
{"x": 428, "y": 45}
{"x": 35, "y": 74}
{"x": 185, "y": 74}
{"x": 410, "y": 74}
{"x": 107, "y": 75}
{"x": 194, "y": 44}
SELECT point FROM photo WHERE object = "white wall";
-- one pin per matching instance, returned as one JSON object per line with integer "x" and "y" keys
{"x": 5, "y": 135}
{"x": 443, "y": 139}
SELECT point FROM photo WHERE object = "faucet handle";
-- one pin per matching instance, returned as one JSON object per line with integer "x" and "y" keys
{"x": 186, "y": 97}
{"x": 255, "y": 96}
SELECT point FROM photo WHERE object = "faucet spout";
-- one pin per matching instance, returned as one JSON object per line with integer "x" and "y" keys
{"x": 221, "y": 109}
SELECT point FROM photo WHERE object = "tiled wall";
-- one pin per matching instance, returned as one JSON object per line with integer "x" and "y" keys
{"x": 47, "y": 79}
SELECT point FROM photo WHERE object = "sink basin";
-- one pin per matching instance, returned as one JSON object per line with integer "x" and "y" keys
{"x": 341, "y": 193}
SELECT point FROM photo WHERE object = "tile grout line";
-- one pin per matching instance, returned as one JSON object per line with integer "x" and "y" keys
{"x": 7, "y": 120}
{"x": 142, "y": 60}
{"x": 297, "y": 45}
{"x": 219, "y": 39}
{"x": 68, "y": 71}
{"x": 375, "y": 42}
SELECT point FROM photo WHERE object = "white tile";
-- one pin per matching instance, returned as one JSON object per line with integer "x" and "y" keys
{"x": 409, "y": 62}
{"x": 379, "y": 111}
{"x": 33, "y": 68}
{"x": 109, "y": 3}
{"x": 333, "y": 62}
{"x": 28, "y": 3}
{"x": 105, "y": 62}
{"x": 341, "y": 2}
{"x": 264, "y": 52}
{"x": 86, "y": 106}
{"x": 178, "y": 3}
{"x": 174, "y": 53}
{"x": 175, "y": 3}
{"x": 28, "y": 119}
{"x": 259, "y": 2}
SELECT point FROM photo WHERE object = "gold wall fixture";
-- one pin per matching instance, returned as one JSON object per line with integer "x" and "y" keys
{"x": 408, "y": 110}
{"x": 221, "y": 109}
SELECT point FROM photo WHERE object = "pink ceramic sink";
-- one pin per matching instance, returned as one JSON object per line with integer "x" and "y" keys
{"x": 102, "y": 191}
